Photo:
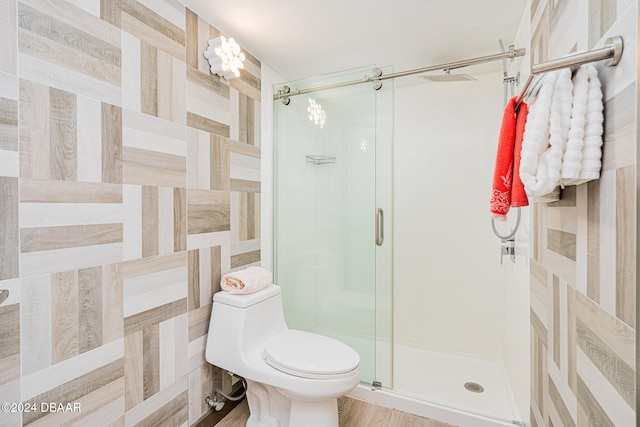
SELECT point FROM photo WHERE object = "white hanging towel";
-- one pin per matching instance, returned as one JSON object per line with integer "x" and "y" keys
{"x": 545, "y": 137}
{"x": 582, "y": 158}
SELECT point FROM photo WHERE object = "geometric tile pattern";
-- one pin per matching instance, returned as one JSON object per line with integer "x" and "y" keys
{"x": 129, "y": 184}
{"x": 215, "y": 121}
{"x": 10, "y": 348}
{"x": 155, "y": 321}
{"x": 10, "y": 345}
{"x": 583, "y": 292}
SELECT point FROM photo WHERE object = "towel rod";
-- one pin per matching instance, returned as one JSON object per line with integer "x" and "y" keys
{"x": 612, "y": 49}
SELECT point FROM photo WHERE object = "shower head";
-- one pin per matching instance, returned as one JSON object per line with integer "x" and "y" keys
{"x": 448, "y": 77}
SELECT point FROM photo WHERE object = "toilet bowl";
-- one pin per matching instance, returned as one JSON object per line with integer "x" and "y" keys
{"x": 293, "y": 377}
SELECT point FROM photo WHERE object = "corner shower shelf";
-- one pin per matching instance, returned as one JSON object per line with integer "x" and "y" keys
{"x": 320, "y": 160}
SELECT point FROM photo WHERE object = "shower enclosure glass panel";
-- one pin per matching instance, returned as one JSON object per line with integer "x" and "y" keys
{"x": 325, "y": 205}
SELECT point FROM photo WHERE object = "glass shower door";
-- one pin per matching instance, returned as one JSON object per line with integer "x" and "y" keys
{"x": 325, "y": 214}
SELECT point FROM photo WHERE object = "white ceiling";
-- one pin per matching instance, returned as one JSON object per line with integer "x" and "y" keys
{"x": 304, "y": 38}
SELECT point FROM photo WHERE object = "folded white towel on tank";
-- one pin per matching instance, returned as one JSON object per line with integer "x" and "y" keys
{"x": 249, "y": 280}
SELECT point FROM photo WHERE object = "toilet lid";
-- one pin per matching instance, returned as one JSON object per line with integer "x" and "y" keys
{"x": 310, "y": 355}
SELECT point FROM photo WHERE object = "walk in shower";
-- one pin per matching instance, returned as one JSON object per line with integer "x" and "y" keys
{"x": 381, "y": 232}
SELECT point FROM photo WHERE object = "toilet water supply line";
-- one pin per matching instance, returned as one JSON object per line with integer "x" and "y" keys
{"x": 218, "y": 404}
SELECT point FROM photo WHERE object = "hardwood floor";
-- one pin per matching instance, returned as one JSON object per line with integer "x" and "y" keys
{"x": 353, "y": 413}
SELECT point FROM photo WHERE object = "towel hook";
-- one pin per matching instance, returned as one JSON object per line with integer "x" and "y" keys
{"x": 508, "y": 247}
{"x": 511, "y": 236}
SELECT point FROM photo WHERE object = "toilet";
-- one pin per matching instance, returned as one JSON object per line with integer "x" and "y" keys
{"x": 293, "y": 377}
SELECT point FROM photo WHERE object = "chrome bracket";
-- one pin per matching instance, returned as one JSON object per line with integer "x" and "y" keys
{"x": 617, "y": 43}
{"x": 512, "y": 80}
{"x": 508, "y": 247}
{"x": 281, "y": 94}
{"x": 377, "y": 83}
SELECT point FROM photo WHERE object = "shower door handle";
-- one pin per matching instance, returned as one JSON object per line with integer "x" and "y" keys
{"x": 379, "y": 226}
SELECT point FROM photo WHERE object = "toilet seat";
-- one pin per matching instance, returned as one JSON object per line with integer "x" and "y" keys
{"x": 308, "y": 355}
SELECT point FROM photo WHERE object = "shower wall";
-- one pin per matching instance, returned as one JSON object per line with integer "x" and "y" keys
{"x": 583, "y": 264}
{"x": 129, "y": 182}
{"x": 448, "y": 281}
{"x": 451, "y": 292}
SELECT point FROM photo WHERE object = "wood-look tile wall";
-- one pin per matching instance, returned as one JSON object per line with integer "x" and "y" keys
{"x": 129, "y": 184}
{"x": 583, "y": 284}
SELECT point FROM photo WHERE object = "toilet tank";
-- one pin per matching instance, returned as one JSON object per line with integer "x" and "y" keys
{"x": 246, "y": 300}
{"x": 240, "y": 326}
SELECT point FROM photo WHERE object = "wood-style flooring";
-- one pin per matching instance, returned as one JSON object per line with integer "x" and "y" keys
{"x": 352, "y": 413}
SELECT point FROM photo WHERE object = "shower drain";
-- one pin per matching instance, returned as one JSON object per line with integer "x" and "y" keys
{"x": 474, "y": 387}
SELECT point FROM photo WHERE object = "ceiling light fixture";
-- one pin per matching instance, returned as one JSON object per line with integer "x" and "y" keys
{"x": 225, "y": 57}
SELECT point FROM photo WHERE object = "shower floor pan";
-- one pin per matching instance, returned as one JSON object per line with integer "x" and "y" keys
{"x": 475, "y": 384}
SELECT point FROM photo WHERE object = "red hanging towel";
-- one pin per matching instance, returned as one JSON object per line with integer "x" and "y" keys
{"x": 518, "y": 195}
{"x": 506, "y": 178}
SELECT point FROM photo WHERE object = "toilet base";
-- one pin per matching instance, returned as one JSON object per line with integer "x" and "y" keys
{"x": 270, "y": 408}
{"x": 314, "y": 414}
